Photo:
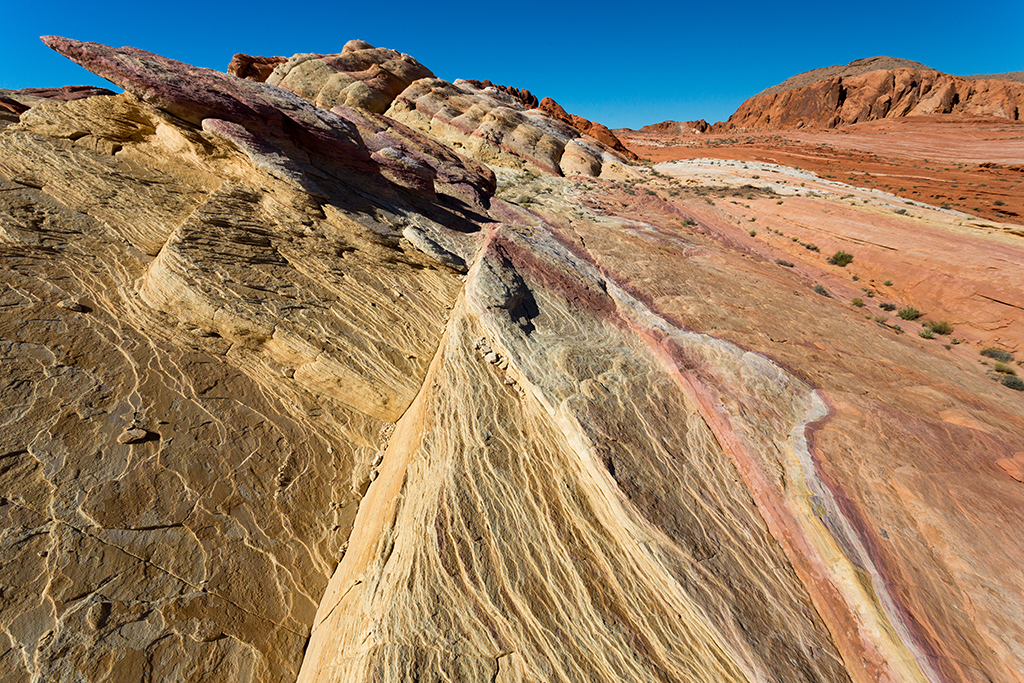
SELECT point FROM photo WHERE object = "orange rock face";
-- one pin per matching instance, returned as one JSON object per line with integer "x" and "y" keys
{"x": 877, "y": 94}
{"x": 594, "y": 130}
{"x": 254, "y": 68}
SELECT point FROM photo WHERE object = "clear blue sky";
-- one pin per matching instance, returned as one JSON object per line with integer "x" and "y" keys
{"x": 623, "y": 64}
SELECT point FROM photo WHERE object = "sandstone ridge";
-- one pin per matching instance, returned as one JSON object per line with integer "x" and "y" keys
{"x": 347, "y": 375}
{"x": 489, "y": 121}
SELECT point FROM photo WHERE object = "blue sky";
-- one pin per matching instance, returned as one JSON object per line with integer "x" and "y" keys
{"x": 623, "y": 64}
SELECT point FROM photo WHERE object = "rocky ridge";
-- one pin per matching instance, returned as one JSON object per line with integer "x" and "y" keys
{"x": 305, "y": 393}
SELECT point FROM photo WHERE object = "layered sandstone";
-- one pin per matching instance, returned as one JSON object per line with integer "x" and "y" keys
{"x": 872, "y": 89}
{"x": 15, "y": 102}
{"x": 297, "y": 393}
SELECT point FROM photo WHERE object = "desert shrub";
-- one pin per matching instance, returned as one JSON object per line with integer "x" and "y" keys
{"x": 788, "y": 264}
{"x": 909, "y": 313}
{"x": 779, "y": 202}
{"x": 939, "y": 326}
{"x": 887, "y": 283}
{"x": 821, "y": 290}
{"x": 856, "y": 277}
{"x": 926, "y": 333}
{"x": 902, "y": 212}
{"x": 997, "y": 354}
{"x": 1005, "y": 369}
{"x": 1015, "y": 383}
{"x": 999, "y": 202}
{"x": 753, "y": 233}
{"x": 881, "y": 318}
{"x": 858, "y": 302}
{"x": 812, "y": 247}
{"x": 689, "y": 222}
{"x": 841, "y": 259}
{"x": 886, "y": 306}
{"x": 954, "y": 340}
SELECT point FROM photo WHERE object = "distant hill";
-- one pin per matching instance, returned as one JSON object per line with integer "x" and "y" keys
{"x": 876, "y": 88}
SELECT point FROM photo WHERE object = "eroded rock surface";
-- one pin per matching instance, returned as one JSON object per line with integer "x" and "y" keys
{"x": 292, "y": 392}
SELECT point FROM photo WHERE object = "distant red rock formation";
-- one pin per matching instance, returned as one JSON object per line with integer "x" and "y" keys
{"x": 595, "y": 130}
{"x": 677, "y": 127}
{"x": 253, "y": 68}
{"x": 860, "y": 92}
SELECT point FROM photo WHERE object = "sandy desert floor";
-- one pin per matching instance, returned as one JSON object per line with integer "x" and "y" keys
{"x": 971, "y": 165}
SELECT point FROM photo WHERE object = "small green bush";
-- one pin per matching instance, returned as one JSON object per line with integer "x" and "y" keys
{"x": 902, "y": 212}
{"x": 821, "y": 290}
{"x": 997, "y": 354}
{"x": 689, "y": 222}
{"x": 926, "y": 333}
{"x": 788, "y": 264}
{"x": 753, "y": 233}
{"x": 885, "y": 306}
{"x": 1015, "y": 383}
{"x": 858, "y": 302}
{"x": 939, "y": 326}
{"x": 1005, "y": 369}
{"x": 909, "y": 313}
{"x": 887, "y": 283}
{"x": 841, "y": 259}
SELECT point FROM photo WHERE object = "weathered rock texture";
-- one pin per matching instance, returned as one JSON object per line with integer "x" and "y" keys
{"x": 872, "y": 89}
{"x": 291, "y": 393}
